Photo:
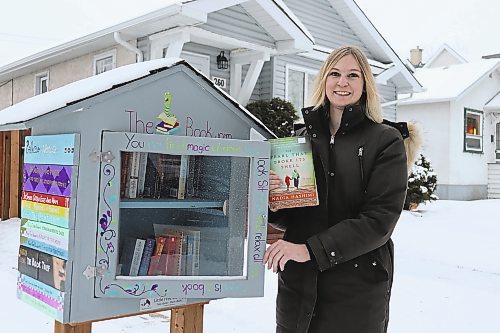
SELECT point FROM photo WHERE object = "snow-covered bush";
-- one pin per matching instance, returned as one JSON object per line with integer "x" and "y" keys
{"x": 421, "y": 183}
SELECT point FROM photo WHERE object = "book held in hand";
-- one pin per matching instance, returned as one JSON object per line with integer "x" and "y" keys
{"x": 292, "y": 161}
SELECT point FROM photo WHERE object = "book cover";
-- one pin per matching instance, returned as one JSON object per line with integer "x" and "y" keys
{"x": 136, "y": 257}
{"x": 126, "y": 254}
{"x": 52, "y": 271}
{"x": 143, "y": 161}
{"x": 189, "y": 247}
{"x": 292, "y": 161}
{"x": 27, "y": 262}
{"x": 146, "y": 256}
{"x": 183, "y": 174}
{"x": 173, "y": 252}
{"x": 133, "y": 180}
{"x": 124, "y": 174}
{"x": 155, "y": 258}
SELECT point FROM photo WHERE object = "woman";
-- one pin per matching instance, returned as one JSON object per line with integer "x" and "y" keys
{"x": 339, "y": 255}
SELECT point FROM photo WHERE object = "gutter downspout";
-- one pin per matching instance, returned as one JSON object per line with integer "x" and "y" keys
{"x": 118, "y": 38}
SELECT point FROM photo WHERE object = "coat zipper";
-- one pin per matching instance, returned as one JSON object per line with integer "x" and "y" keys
{"x": 360, "y": 157}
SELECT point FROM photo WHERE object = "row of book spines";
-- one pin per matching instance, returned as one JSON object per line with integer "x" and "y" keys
{"x": 177, "y": 254}
{"x": 134, "y": 173}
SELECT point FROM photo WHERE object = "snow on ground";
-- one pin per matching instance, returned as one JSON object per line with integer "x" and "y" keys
{"x": 447, "y": 279}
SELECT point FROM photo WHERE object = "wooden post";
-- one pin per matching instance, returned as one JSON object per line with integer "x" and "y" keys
{"x": 188, "y": 319}
{"x": 14, "y": 174}
{"x": 73, "y": 328}
{"x": 6, "y": 175}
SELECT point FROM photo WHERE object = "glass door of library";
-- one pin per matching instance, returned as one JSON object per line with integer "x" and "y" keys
{"x": 181, "y": 217}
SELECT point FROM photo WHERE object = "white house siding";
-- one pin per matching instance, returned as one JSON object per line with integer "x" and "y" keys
{"x": 325, "y": 24}
{"x": 237, "y": 23}
{"x": 494, "y": 181}
{"x": 434, "y": 121}
{"x": 469, "y": 170}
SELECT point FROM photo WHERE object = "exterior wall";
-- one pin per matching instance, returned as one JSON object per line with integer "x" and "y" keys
{"x": 212, "y": 52}
{"x": 325, "y": 24}
{"x": 465, "y": 162}
{"x": 434, "y": 122}
{"x": 59, "y": 75}
{"x": 461, "y": 175}
{"x": 237, "y": 23}
{"x": 6, "y": 94}
{"x": 279, "y": 71}
{"x": 444, "y": 59}
{"x": 388, "y": 93}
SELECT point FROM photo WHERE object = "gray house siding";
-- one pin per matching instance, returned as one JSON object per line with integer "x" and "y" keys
{"x": 325, "y": 24}
{"x": 388, "y": 93}
{"x": 237, "y": 23}
{"x": 280, "y": 71}
{"x": 263, "y": 87}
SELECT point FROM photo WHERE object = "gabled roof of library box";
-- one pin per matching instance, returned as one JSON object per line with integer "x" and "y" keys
{"x": 25, "y": 113}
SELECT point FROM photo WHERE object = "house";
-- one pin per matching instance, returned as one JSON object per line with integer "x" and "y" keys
{"x": 252, "y": 49}
{"x": 459, "y": 113}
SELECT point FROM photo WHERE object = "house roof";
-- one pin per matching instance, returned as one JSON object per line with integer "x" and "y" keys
{"x": 375, "y": 42}
{"x": 444, "y": 48}
{"x": 274, "y": 16}
{"x": 493, "y": 104}
{"x": 16, "y": 116}
{"x": 449, "y": 82}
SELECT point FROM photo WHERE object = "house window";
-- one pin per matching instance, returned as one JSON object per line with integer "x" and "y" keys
{"x": 41, "y": 83}
{"x": 299, "y": 85}
{"x": 104, "y": 62}
{"x": 473, "y": 131}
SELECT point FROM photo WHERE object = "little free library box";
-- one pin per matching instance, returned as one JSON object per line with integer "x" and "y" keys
{"x": 144, "y": 188}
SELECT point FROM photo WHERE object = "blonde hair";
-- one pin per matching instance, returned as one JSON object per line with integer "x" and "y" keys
{"x": 370, "y": 94}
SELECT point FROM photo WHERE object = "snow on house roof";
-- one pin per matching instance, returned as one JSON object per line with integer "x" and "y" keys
{"x": 14, "y": 116}
{"x": 493, "y": 104}
{"x": 449, "y": 82}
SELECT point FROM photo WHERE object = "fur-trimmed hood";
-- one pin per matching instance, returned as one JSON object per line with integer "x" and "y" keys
{"x": 412, "y": 140}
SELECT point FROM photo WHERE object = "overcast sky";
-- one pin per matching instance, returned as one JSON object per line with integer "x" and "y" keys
{"x": 469, "y": 27}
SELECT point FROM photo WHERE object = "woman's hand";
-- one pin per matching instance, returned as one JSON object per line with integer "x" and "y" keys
{"x": 274, "y": 182}
{"x": 281, "y": 251}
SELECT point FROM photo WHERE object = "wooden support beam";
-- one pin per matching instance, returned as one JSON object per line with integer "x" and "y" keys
{"x": 188, "y": 319}
{"x": 73, "y": 328}
{"x": 6, "y": 175}
{"x": 14, "y": 173}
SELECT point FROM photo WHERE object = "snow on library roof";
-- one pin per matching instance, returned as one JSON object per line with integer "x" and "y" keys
{"x": 42, "y": 104}
{"x": 449, "y": 82}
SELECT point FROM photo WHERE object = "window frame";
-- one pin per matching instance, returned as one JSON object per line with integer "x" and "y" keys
{"x": 479, "y": 136}
{"x": 306, "y": 91}
{"x": 102, "y": 56}
{"x": 39, "y": 78}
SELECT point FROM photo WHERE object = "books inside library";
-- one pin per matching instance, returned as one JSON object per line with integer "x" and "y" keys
{"x": 174, "y": 215}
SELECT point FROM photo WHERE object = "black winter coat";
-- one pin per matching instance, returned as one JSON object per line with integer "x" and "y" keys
{"x": 362, "y": 181}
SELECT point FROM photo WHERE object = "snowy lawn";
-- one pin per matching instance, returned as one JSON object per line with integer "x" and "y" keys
{"x": 447, "y": 279}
